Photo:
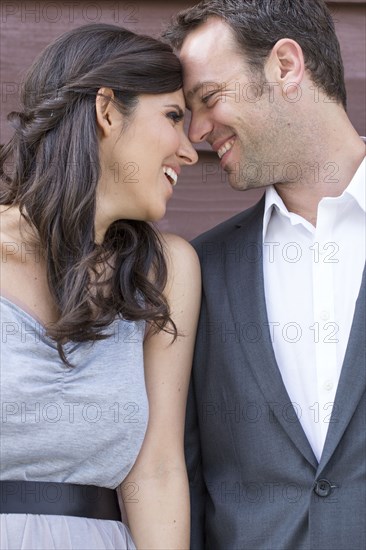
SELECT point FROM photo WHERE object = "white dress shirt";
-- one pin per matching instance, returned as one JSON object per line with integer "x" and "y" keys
{"x": 312, "y": 277}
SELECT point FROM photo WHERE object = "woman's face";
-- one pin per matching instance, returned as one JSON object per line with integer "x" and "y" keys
{"x": 141, "y": 164}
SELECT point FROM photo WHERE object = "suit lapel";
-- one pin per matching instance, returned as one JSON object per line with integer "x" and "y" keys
{"x": 245, "y": 286}
{"x": 352, "y": 382}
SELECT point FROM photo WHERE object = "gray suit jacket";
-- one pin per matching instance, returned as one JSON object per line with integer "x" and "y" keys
{"x": 255, "y": 482}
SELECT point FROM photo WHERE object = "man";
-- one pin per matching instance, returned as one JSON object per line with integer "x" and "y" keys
{"x": 276, "y": 430}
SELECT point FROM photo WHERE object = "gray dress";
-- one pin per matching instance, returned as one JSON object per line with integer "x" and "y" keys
{"x": 81, "y": 425}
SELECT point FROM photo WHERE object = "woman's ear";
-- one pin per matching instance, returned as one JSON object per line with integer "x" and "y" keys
{"x": 285, "y": 64}
{"x": 105, "y": 110}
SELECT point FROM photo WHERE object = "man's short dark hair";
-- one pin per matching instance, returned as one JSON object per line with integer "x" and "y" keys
{"x": 259, "y": 24}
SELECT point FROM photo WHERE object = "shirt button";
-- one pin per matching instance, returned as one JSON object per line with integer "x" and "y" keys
{"x": 328, "y": 385}
{"x": 324, "y": 315}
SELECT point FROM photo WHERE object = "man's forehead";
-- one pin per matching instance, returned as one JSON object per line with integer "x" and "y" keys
{"x": 204, "y": 53}
{"x": 209, "y": 40}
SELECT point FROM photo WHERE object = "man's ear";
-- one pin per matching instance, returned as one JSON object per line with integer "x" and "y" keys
{"x": 105, "y": 110}
{"x": 285, "y": 64}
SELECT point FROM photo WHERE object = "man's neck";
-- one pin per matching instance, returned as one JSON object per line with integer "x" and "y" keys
{"x": 328, "y": 175}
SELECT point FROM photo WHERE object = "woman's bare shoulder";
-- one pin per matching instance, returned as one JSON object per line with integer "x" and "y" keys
{"x": 184, "y": 271}
{"x": 179, "y": 250}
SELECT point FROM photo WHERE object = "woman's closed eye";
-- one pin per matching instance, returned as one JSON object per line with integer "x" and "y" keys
{"x": 175, "y": 116}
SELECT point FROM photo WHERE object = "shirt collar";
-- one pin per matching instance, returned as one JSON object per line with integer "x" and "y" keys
{"x": 272, "y": 199}
{"x": 357, "y": 186}
{"x": 356, "y": 190}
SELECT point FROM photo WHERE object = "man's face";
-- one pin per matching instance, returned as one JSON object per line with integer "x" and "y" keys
{"x": 232, "y": 109}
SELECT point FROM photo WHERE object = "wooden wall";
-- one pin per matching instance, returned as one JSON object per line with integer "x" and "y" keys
{"x": 202, "y": 198}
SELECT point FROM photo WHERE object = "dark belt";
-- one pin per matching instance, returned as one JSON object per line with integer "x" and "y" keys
{"x": 60, "y": 499}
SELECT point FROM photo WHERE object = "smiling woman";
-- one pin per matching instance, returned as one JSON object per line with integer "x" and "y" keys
{"x": 154, "y": 145}
{"x": 102, "y": 311}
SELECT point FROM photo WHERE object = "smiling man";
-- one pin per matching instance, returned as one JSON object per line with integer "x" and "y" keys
{"x": 276, "y": 429}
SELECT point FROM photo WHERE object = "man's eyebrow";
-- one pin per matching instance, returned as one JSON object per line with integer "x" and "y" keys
{"x": 200, "y": 85}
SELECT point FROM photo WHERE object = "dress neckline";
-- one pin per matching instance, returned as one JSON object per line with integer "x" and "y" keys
{"x": 24, "y": 310}
{"x": 40, "y": 327}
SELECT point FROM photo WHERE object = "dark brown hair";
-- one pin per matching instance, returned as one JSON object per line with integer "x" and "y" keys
{"x": 50, "y": 169}
{"x": 257, "y": 26}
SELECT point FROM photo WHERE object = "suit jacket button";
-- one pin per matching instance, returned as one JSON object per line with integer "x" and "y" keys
{"x": 322, "y": 488}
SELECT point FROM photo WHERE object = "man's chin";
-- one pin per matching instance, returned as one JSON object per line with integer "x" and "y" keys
{"x": 235, "y": 182}
{"x": 244, "y": 184}
{"x": 233, "y": 177}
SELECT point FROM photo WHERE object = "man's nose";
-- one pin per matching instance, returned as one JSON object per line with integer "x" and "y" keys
{"x": 187, "y": 153}
{"x": 199, "y": 128}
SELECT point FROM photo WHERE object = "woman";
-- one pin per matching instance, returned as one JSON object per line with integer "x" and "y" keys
{"x": 98, "y": 311}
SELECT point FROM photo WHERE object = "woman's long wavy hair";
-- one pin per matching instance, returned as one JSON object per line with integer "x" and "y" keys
{"x": 50, "y": 169}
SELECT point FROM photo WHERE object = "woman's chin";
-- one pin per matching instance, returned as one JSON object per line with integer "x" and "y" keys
{"x": 157, "y": 215}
